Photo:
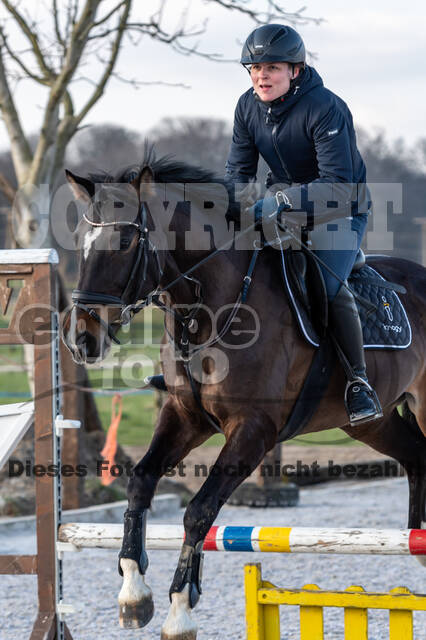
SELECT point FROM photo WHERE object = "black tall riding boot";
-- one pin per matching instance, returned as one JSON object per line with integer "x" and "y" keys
{"x": 361, "y": 400}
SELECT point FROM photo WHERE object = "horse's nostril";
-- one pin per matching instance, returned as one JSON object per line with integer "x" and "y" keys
{"x": 86, "y": 341}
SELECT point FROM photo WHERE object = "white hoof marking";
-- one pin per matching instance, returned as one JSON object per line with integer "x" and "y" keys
{"x": 179, "y": 623}
{"x": 135, "y": 597}
{"x": 134, "y": 588}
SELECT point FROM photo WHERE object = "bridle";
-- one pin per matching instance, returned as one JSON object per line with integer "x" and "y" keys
{"x": 81, "y": 298}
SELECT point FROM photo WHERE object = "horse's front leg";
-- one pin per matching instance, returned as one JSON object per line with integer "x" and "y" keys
{"x": 172, "y": 441}
{"x": 249, "y": 437}
{"x": 135, "y": 602}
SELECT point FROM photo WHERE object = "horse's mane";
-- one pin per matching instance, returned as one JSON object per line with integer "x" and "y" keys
{"x": 166, "y": 169}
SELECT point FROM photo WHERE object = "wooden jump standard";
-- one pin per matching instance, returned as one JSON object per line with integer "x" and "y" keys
{"x": 34, "y": 320}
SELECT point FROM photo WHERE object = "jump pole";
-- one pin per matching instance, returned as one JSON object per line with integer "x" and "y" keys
{"x": 76, "y": 536}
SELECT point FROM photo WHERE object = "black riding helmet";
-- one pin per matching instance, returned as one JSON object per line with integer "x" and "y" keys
{"x": 273, "y": 43}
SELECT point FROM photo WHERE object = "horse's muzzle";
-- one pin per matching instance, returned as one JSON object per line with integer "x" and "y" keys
{"x": 84, "y": 337}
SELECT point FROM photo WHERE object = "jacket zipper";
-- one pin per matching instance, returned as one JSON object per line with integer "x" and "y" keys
{"x": 274, "y": 140}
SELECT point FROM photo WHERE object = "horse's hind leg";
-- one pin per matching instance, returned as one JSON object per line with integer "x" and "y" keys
{"x": 248, "y": 440}
{"x": 417, "y": 477}
{"x": 172, "y": 441}
{"x": 400, "y": 437}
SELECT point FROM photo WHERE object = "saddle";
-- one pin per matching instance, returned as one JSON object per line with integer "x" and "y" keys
{"x": 384, "y": 320}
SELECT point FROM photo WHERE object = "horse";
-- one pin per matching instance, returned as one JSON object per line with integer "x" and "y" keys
{"x": 229, "y": 366}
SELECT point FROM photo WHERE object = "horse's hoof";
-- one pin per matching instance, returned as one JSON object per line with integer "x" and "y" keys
{"x": 137, "y": 615}
{"x": 190, "y": 635}
{"x": 135, "y": 601}
{"x": 179, "y": 625}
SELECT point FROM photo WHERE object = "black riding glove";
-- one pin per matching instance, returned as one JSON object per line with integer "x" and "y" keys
{"x": 270, "y": 208}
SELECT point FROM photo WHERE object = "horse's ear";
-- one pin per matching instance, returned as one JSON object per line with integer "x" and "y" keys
{"x": 144, "y": 183}
{"x": 81, "y": 188}
{"x": 147, "y": 175}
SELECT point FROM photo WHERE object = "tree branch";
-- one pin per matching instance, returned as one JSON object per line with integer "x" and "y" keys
{"x": 70, "y": 123}
{"x": 115, "y": 48}
{"x": 68, "y": 104}
{"x": 7, "y": 189}
{"x": 263, "y": 17}
{"x": 73, "y": 56}
{"x": 20, "y": 149}
{"x": 31, "y": 36}
{"x": 56, "y": 23}
{"x": 18, "y": 60}
{"x": 142, "y": 83}
{"x": 111, "y": 13}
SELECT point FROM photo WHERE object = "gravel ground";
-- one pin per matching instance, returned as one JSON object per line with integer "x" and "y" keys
{"x": 92, "y": 582}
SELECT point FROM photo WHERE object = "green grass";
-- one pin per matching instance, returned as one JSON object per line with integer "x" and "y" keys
{"x": 139, "y": 411}
{"x": 11, "y": 354}
{"x": 331, "y": 436}
{"x": 13, "y": 381}
{"x": 137, "y": 420}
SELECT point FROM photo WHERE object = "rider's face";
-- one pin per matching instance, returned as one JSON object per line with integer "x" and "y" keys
{"x": 271, "y": 79}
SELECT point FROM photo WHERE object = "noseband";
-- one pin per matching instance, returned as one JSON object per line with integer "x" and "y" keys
{"x": 81, "y": 298}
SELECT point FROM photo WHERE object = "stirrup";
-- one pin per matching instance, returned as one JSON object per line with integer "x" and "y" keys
{"x": 355, "y": 419}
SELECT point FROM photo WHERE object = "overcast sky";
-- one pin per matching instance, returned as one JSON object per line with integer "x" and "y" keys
{"x": 370, "y": 53}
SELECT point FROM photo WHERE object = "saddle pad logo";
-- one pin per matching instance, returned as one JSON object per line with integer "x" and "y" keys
{"x": 392, "y": 327}
{"x": 387, "y": 308}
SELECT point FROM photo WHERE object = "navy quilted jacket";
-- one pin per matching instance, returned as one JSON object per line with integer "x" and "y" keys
{"x": 306, "y": 137}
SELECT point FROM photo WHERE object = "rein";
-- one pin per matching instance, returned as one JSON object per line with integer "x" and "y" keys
{"x": 185, "y": 353}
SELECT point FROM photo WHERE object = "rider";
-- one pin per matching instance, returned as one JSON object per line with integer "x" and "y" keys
{"x": 305, "y": 134}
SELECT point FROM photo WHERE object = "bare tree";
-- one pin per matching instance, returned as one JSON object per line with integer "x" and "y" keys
{"x": 53, "y": 51}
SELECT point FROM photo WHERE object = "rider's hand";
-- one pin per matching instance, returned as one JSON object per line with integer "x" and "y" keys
{"x": 269, "y": 208}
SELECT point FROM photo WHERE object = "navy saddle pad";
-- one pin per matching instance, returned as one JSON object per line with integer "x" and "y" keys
{"x": 386, "y": 328}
